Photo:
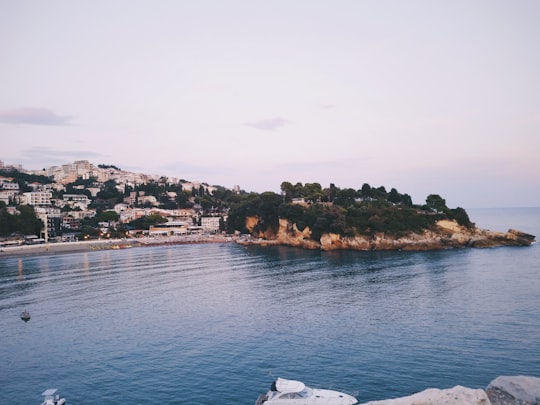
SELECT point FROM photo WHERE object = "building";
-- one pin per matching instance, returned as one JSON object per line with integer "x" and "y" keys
{"x": 148, "y": 200}
{"x": 210, "y": 224}
{"x": 52, "y": 219}
{"x": 8, "y": 190}
{"x": 79, "y": 200}
{"x": 169, "y": 228}
{"x": 37, "y": 198}
{"x": 69, "y": 222}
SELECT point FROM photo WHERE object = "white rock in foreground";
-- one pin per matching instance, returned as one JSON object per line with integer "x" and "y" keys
{"x": 433, "y": 396}
{"x": 523, "y": 388}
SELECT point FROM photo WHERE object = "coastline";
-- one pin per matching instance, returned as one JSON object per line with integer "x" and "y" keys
{"x": 107, "y": 244}
{"x": 448, "y": 235}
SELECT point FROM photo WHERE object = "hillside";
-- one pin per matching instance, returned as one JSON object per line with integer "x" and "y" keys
{"x": 367, "y": 219}
{"x": 86, "y": 201}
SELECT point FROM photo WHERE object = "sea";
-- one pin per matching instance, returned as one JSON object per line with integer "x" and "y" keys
{"x": 217, "y": 323}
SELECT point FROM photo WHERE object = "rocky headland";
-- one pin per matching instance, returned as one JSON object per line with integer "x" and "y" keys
{"x": 504, "y": 390}
{"x": 446, "y": 234}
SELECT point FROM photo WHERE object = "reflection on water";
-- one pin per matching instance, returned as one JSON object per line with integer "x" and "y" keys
{"x": 20, "y": 270}
{"x": 210, "y": 323}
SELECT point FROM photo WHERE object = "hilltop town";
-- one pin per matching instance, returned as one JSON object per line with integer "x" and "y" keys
{"x": 82, "y": 200}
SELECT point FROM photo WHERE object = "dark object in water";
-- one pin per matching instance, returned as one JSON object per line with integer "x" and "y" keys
{"x": 25, "y": 315}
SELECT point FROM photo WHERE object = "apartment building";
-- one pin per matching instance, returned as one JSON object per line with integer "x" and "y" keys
{"x": 80, "y": 198}
{"x": 37, "y": 198}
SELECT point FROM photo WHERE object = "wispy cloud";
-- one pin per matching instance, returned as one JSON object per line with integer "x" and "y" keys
{"x": 33, "y": 116}
{"x": 269, "y": 124}
{"x": 327, "y": 106}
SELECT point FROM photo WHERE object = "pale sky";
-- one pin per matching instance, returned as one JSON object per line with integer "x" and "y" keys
{"x": 428, "y": 97}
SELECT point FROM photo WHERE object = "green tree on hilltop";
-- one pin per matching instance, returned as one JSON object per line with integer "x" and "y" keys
{"x": 436, "y": 203}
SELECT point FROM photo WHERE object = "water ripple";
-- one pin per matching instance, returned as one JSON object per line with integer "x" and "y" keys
{"x": 213, "y": 323}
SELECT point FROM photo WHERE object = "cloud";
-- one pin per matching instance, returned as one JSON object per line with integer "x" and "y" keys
{"x": 33, "y": 116}
{"x": 270, "y": 124}
{"x": 327, "y": 106}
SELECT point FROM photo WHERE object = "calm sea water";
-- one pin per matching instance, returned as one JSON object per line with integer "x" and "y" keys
{"x": 214, "y": 324}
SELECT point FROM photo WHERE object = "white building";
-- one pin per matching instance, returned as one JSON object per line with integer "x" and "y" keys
{"x": 37, "y": 198}
{"x": 80, "y": 198}
{"x": 169, "y": 228}
{"x": 8, "y": 190}
{"x": 9, "y": 186}
{"x": 210, "y": 224}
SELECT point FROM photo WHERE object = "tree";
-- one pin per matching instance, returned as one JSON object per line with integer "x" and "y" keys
{"x": 461, "y": 216}
{"x": 365, "y": 191}
{"x": 104, "y": 166}
{"x": 379, "y": 193}
{"x": 287, "y": 190}
{"x": 332, "y": 192}
{"x": 294, "y": 213}
{"x": 107, "y": 216}
{"x": 345, "y": 197}
{"x": 321, "y": 219}
{"x": 313, "y": 192}
{"x": 406, "y": 200}
{"x": 393, "y": 196}
{"x": 436, "y": 203}
{"x": 89, "y": 231}
{"x": 264, "y": 206}
{"x": 108, "y": 197}
{"x": 147, "y": 221}
{"x": 25, "y": 222}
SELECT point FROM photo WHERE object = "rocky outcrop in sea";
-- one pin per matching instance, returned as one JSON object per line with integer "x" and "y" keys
{"x": 505, "y": 390}
{"x": 446, "y": 234}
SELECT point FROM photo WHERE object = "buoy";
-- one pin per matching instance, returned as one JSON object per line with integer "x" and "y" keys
{"x": 25, "y": 315}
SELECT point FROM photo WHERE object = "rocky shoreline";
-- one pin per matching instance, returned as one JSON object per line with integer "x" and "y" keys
{"x": 447, "y": 234}
{"x": 504, "y": 390}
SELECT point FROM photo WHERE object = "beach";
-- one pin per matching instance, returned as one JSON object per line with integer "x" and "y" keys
{"x": 107, "y": 244}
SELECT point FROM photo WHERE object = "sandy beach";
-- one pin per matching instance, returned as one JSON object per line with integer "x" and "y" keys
{"x": 107, "y": 244}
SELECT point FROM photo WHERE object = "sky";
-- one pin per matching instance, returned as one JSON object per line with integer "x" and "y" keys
{"x": 425, "y": 96}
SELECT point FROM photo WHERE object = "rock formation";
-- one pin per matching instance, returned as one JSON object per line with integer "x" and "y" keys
{"x": 446, "y": 234}
{"x": 516, "y": 390}
{"x": 457, "y": 395}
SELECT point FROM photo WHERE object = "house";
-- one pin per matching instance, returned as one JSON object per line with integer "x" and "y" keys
{"x": 148, "y": 200}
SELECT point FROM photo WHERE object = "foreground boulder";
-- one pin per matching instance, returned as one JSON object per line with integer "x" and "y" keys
{"x": 433, "y": 396}
{"x": 515, "y": 390}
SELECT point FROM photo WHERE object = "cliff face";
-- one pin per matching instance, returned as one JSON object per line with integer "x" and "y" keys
{"x": 448, "y": 234}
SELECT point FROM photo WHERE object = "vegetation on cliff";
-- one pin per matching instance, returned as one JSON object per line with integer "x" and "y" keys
{"x": 24, "y": 221}
{"x": 346, "y": 212}
{"x": 304, "y": 215}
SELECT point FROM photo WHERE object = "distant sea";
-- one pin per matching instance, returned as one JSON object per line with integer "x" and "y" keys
{"x": 215, "y": 323}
